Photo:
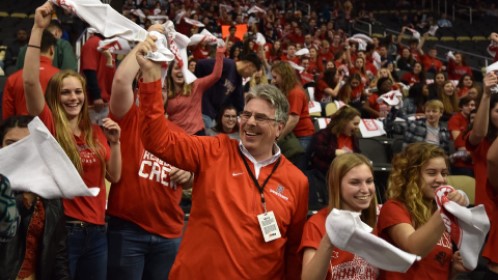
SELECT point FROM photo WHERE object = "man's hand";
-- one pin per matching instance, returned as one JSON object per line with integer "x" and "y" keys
{"x": 151, "y": 70}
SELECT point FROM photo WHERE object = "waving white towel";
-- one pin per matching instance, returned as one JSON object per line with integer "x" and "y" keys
{"x": 114, "y": 45}
{"x": 38, "y": 164}
{"x": 108, "y": 22}
{"x": 104, "y": 18}
{"x": 347, "y": 232}
{"x": 178, "y": 44}
{"x": 467, "y": 226}
{"x": 303, "y": 51}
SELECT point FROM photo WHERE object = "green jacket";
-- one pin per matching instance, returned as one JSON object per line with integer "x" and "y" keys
{"x": 64, "y": 58}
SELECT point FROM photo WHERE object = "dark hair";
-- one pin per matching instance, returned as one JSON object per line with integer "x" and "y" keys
{"x": 55, "y": 24}
{"x": 329, "y": 77}
{"x": 12, "y": 122}
{"x": 416, "y": 93}
{"x": 219, "y": 125}
{"x": 252, "y": 58}
{"x": 48, "y": 40}
{"x": 464, "y": 100}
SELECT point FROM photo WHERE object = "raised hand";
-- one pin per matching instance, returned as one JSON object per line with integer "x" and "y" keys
{"x": 151, "y": 71}
{"x": 43, "y": 15}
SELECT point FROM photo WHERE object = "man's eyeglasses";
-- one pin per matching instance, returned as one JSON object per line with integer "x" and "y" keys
{"x": 230, "y": 117}
{"x": 245, "y": 115}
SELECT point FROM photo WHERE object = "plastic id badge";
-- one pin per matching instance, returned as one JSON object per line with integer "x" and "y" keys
{"x": 269, "y": 226}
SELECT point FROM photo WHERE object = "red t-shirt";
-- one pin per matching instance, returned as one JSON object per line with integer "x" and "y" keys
{"x": 295, "y": 59}
{"x": 431, "y": 63}
{"x": 489, "y": 250}
{"x": 455, "y": 72}
{"x": 436, "y": 265}
{"x": 410, "y": 78}
{"x": 299, "y": 106}
{"x": 458, "y": 122}
{"x": 343, "y": 264}
{"x": 462, "y": 92}
{"x": 92, "y": 59}
{"x": 144, "y": 195}
{"x": 14, "y": 102}
{"x": 344, "y": 141}
{"x": 86, "y": 208}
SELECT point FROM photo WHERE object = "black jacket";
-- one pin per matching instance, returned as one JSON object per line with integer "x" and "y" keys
{"x": 52, "y": 260}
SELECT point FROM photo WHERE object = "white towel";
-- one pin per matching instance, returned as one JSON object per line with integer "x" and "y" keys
{"x": 255, "y": 9}
{"x": 347, "y": 232}
{"x": 299, "y": 68}
{"x": 432, "y": 30}
{"x": 178, "y": 44}
{"x": 362, "y": 44}
{"x": 303, "y": 51}
{"x": 114, "y": 45}
{"x": 415, "y": 33}
{"x": 38, "y": 164}
{"x": 108, "y": 22}
{"x": 260, "y": 39}
{"x": 363, "y": 37}
{"x": 392, "y": 98}
{"x": 467, "y": 226}
{"x": 104, "y": 18}
{"x": 204, "y": 37}
{"x": 193, "y": 22}
{"x": 162, "y": 54}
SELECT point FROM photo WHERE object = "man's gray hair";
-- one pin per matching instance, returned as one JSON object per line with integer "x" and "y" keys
{"x": 274, "y": 96}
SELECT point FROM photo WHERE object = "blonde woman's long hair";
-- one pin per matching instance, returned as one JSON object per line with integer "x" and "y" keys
{"x": 450, "y": 103}
{"x": 170, "y": 85}
{"x": 63, "y": 133}
{"x": 404, "y": 180}
{"x": 340, "y": 166}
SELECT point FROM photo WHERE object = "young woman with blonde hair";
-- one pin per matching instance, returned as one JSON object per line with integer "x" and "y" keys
{"x": 65, "y": 113}
{"x": 351, "y": 187}
{"x": 448, "y": 95}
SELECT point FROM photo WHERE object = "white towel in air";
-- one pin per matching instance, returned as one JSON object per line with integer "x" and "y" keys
{"x": 467, "y": 226}
{"x": 109, "y": 23}
{"x": 38, "y": 164}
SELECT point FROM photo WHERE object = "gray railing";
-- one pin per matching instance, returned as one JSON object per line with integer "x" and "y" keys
{"x": 475, "y": 61}
{"x": 358, "y": 26}
{"x": 79, "y": 44}
{"x": 463, "y": 8}
{"x": 306, "y": 5}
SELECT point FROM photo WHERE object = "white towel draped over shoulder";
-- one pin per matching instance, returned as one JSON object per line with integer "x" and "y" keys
{"x": 38, "y": 164}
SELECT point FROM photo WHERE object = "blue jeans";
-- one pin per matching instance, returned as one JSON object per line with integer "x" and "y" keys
{"x": 136, "y": 254}
{"x": 87, "y": 252}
